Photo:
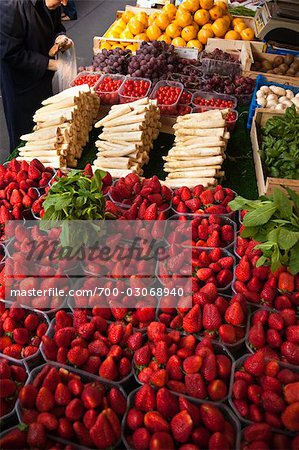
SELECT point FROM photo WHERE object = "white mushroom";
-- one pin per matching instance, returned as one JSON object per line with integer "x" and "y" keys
{"x": 282, "y": 99}
{"x": 289, "y": 94}
{"x": 295, "y": 101}
{"x": 280, "y": 107}
{"x": 262, "y": 101}
{"x": 265, "y": 89}
{"x": 260, "y": 93}
{"x": 287, "y": 103}
{"x": 271, "y": 97}
{"x": 277, "y": 90}
{"x": 271, "y": 104}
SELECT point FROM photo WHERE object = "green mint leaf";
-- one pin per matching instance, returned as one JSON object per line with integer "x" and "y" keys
{"x": 249, "y": 232}
{"x": 242, "y": 203}
{"x": 261, "y": 261}
{"x": 294, "y": 259}
{"x": 260, "y": 216}
{"x": 293, "y": 196}
{"x": 282, "y": 203}
{"x": 287, "y": 239}
{"x": 275, "y": 259}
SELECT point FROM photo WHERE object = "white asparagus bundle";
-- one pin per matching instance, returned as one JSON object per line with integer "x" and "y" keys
{"x": 67, "y": 93}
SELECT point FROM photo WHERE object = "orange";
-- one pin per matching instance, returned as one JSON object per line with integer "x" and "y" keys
{"x": 195, "y": 25}
{"x": 120, "y": 23}
{"x": 178, "y": 42}
{"x": 143, "y": 18}
{"x": 204, "y": 35}
{"x": 183, "y": 18}
{"x": 206, "y": 4}
{"x": 191, "y": 5}
{"x": 162, "y": 21}
{"x": 152, "y": 18}
{"x": 153, "y": 32}
{"x": 227, "y": 18}
{"x": 105, "y": 45}
{"x": 247, "y": 34}
{"x": 219, "y": 28}
{"x": 117, "y": 45}
{"x": 216, "y": 12}
{"x": 222, "y": 4}
{"x": 189, "y": 33}
{"x": 132, "y": 47}
{"x": 232, "y": 34}
{"x": 165, "y": 38}
{"x": 173, "y": 30}
{"x": 127, "y": 16}
{"x": 170, "y": 10}
{"x": 201, "y": 17}
{"x": 126, "y": 34}
{"x": 240, "y": 26}
{"x": 195, "y": 44}
{"x": 237, "y": 20}
{"x": 135, "y": 26}
{"x": 141, "y": 37}
{"x": 207, "y": 26}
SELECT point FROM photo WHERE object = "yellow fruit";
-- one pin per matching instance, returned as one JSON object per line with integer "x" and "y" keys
{"x": 132, "y": 47}
{"x": 173, "y": 30}
{"x": 126, "y": 34}
{"x": 216, "y": 12}
{"x": 195, "y": 25}
{"x": 240, "y": 26}
{"x": 206, "y": 4}
{"x": 152, "y": 18}
{"x": 189, "y": 33}
{"x": 219, "y": 28}
{"x": 195, "y": 44}
{"x": 222, "y": 4}
{"x": 143, "y": 18}
{"x": 165, "y": 38}
{"x": 247, "y": 34}
{"x": 178, "y": 42}
{"x": 183, "y": 18}
{"x": 232, "y": 34}
{"x": 109, "y": 34}
{"x": 153, "y": 32}
{"x": 207, "y": 26}
{"x": 162, "y": 21}
{"x": 105, "y": 45}
{"x": 237, "y": 20}
{"x": 227, "y": 19}
{"x": 201, "y": 17}
{"x": 141, "y": 37}
{"x": 127, "y": 16}
{"x": 121, "y": 23}
{"x": 204, "y": 35}
{"x": 170, "y": 10}
{"x": 135, "y": 26}
{"x": 191, "y": 5}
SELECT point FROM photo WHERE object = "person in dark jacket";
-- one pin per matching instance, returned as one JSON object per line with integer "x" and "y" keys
{"x": 28, "y": 29}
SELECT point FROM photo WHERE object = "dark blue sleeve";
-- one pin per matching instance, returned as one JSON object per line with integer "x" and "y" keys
{"x": 12, "y": 41}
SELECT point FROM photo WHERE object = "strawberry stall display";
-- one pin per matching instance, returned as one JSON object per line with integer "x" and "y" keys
{"x": 13, "y": 376}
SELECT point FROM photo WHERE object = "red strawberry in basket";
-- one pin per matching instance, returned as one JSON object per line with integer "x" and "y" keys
{"x": 106, "y": 431}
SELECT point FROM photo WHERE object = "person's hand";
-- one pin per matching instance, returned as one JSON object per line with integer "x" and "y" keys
{"x": 53, "y": 65}
{"x": 64, "y": 42}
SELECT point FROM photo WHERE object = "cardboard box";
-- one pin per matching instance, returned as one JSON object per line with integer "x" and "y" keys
{"x": 266, "y": 184}
{"x": 284, "y": 79}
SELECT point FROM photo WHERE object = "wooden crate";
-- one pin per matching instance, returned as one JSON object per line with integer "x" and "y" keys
{"x": 266, "y": 185}
{"x": 98, "y": 39}
{"x": 283, "y": 79}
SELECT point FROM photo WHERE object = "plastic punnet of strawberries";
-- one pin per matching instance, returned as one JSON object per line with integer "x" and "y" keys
{"x": 265, "y": 390}
{"x": 198, "y": 368}
{"x": 75, "y": 408}
{"x": 199, "y": 200}
{"x": 161, "y": 419}
{"x": 12, "y": 378}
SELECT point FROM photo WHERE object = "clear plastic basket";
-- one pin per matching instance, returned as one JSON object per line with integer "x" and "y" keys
{"x": 127, "y": 99}
{"x": 94, "y": 78}
{"x": 167, "y": 110}
{"x": 109, "y": 98}
{"x": 210, "y": 96}
{"x": 210, "y": 66}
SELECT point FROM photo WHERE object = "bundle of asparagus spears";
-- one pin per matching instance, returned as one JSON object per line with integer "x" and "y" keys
{"x": 127, "y": 137}
{"x": 62, "y": 127}
{"x": 199, "y": 150}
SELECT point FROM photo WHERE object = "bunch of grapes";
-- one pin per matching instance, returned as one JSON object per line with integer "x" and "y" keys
{"x": 112, "y": 61}
{"x": 219, "y": 55}
{"x": 153, "y": 61}
{"x": 235, "y": 85}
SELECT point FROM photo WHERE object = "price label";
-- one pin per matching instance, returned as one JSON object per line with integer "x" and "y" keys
{"x": 188, "y": 53}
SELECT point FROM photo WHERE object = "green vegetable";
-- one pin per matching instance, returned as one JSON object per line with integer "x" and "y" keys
{"x": 241, "y": 11}
{"x": 280, "y": 145}
{"x": 75, "y": 198}
{"x": 274, "y": 223}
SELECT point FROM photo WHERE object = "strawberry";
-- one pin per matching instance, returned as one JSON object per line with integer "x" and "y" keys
{"x": 272, "y": 402}
{"x": 27, "y": 396}
{"x": 108, "y": 369}
{"x": 227, "y": 334}
{"x": 290, "y": 417}
{"x": 289, "y": 350}
{"x": 64, "y": 336}
{"x": 142, "y": 356}
{"x": 207, "y": 197}
{"x": 106, "y": 431}
{"x": 193, "y": 204}
{"x": 141, "y": 439}
{"x": 8, "y": 388}
{"x": 212, "y": 418}
{"x": 235, "y": 314}
{"x": 192, "y": 321}
{"x": 161, "y": 440}
{"x": 154, "y": 422}
{"x": 74, "y": 410}
{"x": 239, "y": 389}
{"x": 276, "y": 321}
{"x": 257, "y": 432}
{"x": 75, "y": 386}
{"x": 145, "y": 398}
{"x": 211, "y": 317}
{"x": 48, "y": 420}
{"x": 243, "y": 271}
{"x": 195, "y": 386}
{"x": 36, "y": 436}
{"x": 217, "y": 390}
{"x": 117, "y": 401}
{"x": 44, "y": 400}
{"x": 156, "y": 331}
{"x": 15, "y": 438}
{"x": 159, "y": 378}
{"x": 192, "y": 364}
{"x": 77, "y": 356}
{"x": 185, "y": 194}
{"x": 116, "y": 333}
{"x": 174, "y": 368}
{"x": 292, "y": 334}
{"x": 218, "y": 441}
{"x": 257, "y": 336}
{"x": 151, "y": 212}
{"x": 209, "y": 367}
{"x": 273, "y": 338}
{"x": 181, "y": 426}
{"x": 134, "y": 419}
{"x": 255, "y": 364}
{"x": 167, "y": 403}
{"x": 83, "y": 435}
